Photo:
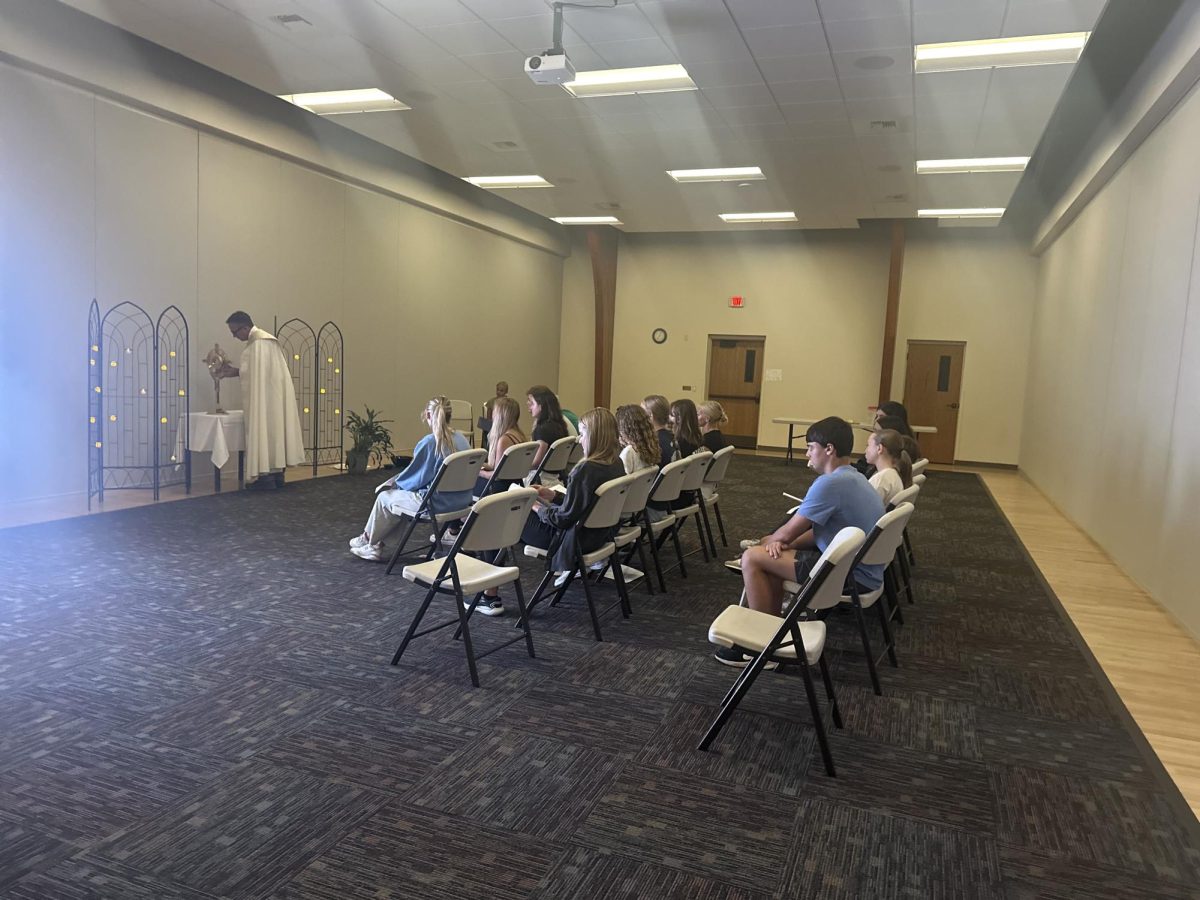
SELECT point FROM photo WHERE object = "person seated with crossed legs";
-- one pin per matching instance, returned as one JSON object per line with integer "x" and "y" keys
{"x": 840, "y": 497}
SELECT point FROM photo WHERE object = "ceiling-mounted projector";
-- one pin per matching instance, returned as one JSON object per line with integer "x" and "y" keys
{"x": 550, "y": 68}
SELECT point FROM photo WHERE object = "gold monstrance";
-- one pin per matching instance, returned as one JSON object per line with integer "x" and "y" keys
{"x": 216, "y": 360}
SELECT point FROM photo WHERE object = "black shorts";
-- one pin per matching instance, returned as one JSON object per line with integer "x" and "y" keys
{"x": 806, "y": 559}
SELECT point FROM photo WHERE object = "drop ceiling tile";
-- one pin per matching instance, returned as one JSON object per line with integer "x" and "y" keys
{"x": 446, "y": 69}
{"x": 885, "y": 61}
{"x": 861, "y": 35}
{"x": 974, "y": 81}
{"x": 786, "y": 40}
{"x": 558, "y": 104}
{"x": 963, "y": 22}
{"x": 532, "y": 34}
{"x": 705, "y": 46}
{"x": 519, "y": 87}
{"x": 841, "y": 10}
{"x": 946, "y": 139}
{"x": 1050, "y": 16}
{"x": 889, "y": 108}
{"x": 604, "y": 107}
{"x": 806, "y": 91}
{"x": 751, "y": 115}
{"x": 876, "y": 87}
{"x": 830, "y": 111}
{"x": 831, "y": 128}
{"x": 497, "y": 65}
{"x": 476, "y": 92}
{"x": 683, "y": 16}
{"x": 422, "y": 13}
{"x": 725, "y": 73}
{"x": 773, "y": 13}
{"x": 633, "y": 54}
{"x": 885, "y": 126}
{"x": 949, "y": 107}
{"x": 808, "y": 67}
{"x": 467, "y": 38}
{"x": 505, "y": 9}
{"x": 620, "y": 23}
{"x": 743, "y": 95}
{"x": 890, "y": 149}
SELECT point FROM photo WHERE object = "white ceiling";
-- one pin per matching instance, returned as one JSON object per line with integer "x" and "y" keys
{"x": 792, "y": 86}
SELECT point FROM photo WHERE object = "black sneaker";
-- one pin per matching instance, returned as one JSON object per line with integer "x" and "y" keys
{"x": 738, "y": 658}
{"x": 488, "y": 606}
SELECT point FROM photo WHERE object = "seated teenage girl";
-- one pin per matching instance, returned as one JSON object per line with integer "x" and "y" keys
{"x": 639, "y": 444}
{"x": 659, "y": 411}
{"x": 711, "y": 416}
{"x": 548, "y": 423}
{"x": 893, "y": 467}
{"x": 685, "y": 426}
{"x": 504, "y": 433}
{"x": 556, "y": 523}
{"x": 403, "y": 494}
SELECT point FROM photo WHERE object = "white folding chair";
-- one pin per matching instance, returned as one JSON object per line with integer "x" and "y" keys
{"x": 555, "y": 462}
{"x": 514, "y": 465}
{"x": 905, "y": 556}
{"x": 879, "y": 549}
{"x": 918, "y": 480}
{"x": 493, "y": 526}
{"x": 629, "y": 534}
{"x": 709, "y": 496}
{"x": 456, "y": 474}
{"x": 462, "y": 418}
{"x": 693, "y": 479}
{"x": 665, "y": 491}
{"x": 604, "y": 513}
{"x": 918, "y": 466}
{"x": 786, "y": 640}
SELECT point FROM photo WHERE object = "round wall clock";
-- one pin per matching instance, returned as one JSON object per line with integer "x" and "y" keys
{"x": 659, "y": 335}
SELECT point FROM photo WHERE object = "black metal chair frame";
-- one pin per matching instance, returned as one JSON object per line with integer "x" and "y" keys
{"x": 788, "y": 635}
{"x": 424, "y": 513}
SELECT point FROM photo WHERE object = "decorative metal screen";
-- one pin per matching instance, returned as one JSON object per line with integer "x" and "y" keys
{"x": 315, "y": 360}
{"x": 137, "y": 400}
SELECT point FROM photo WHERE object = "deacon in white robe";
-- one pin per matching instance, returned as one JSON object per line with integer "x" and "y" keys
{"x": 274, "y": 439}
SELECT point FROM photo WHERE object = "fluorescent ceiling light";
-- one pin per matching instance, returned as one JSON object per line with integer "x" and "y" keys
{"x": 643, "y": 80}
{"x": 497, "y": 182}
{"x": 752, "y": 217}
{"x": 981, "y": 212}
{"x": 333, "y": 103}
{"x": 737, "y": 173}
{"x": 983, "y": 164}
{"x": 1032, "y": 50}
{"x": 587, "y": 220}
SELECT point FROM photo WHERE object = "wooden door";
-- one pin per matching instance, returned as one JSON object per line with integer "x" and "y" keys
{"x": 735, "y": 367}
{"x": 931, "y": 391}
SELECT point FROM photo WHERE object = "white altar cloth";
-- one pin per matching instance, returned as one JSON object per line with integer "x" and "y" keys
{"x": 220, "y": 435}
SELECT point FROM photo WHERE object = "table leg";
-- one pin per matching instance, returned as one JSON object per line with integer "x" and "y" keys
{"x": 187, "y": 471}
{"x": 241, "y": 468}
{"x": 791, "y": 428}
{"x": 216, "y": 479}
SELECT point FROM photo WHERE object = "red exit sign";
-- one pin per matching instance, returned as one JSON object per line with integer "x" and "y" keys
{"x": 737, "y": 302}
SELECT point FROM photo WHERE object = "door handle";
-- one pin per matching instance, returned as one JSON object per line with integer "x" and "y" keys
{"x": 952, "y": 405}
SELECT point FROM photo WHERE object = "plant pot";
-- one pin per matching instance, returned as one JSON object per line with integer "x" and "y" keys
{"x": 356, "y": 461}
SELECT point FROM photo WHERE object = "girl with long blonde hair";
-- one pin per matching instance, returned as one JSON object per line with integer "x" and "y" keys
{"x": 504, "y": 432}
{"x": 711, "y": 416}
{"x": 403, "y": 494}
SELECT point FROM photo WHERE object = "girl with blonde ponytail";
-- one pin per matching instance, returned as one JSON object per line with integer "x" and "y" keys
{"x": 893, "y": 466}
{"x": 403, "y": 494}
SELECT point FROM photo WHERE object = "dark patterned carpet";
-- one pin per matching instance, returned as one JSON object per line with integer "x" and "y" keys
{"x": 195, "y": 702}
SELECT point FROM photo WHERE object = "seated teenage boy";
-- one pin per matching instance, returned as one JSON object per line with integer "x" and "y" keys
{"x": 840, "y": 497}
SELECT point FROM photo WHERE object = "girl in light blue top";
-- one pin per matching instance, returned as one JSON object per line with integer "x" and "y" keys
{"x": 403, "y": 494}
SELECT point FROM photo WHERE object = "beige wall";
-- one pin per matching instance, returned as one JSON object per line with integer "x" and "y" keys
{"x": 975, "y": 285}
{"x": 1110, "y": 414}
{"x": 109, "y": 202}
{"x": 819, "y": 298}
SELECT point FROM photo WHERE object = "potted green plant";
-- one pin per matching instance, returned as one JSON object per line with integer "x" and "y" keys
{"x": 370, "y": 438}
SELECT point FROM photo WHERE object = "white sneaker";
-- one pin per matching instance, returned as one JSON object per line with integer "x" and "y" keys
{"x": 598, "y": 565}
{"x": 561, "y": 579}
{"x": 448, "y": 537}
{"x": 747, "y": 544}
{"x": 358, "y": 541}
{"x": 734, "y": 565}
{"x": 373, "y": 552}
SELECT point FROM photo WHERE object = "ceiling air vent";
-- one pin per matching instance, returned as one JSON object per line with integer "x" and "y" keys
{"x": 896, "y": 198}
{"x": 291, "y": 20}
{"x": 883, "y": 124}
{"x": 607, "y": 207}
{"x": 505, "y": 146}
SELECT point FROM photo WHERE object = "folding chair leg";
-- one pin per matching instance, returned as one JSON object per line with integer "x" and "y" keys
{"x": 730, "y": 704}
{"x": 678, "y": 549}
{"x": 658, "y": 570}
{"x": 837, "y": 714}
{"x": 591, "y": 604}
{"x": 465, "y": 628}
{"x": 524, "y": 616}
{"x": 908, "y": 549}
{"x": 720, "y": 524}
{"x": 412, "y": 523}
{"x": 892, "y": 592}
{"x": 641, "y": 552}
{"x": 412, "y": 626}
{"x": 815, "y": 709}
{"x": 536, "y": 598}
{"x": 622, "y": 592}
{"x": 866, "y": 642}
{"x": 703, "y": 539}
{"x": 712, "y": 546}
{"x": 887, "y": 633}
{"x": 906, "y": 573}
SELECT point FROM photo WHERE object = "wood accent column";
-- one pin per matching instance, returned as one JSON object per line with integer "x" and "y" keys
{"x": 602, "y": 245}
{"x": 895, "y": 278}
